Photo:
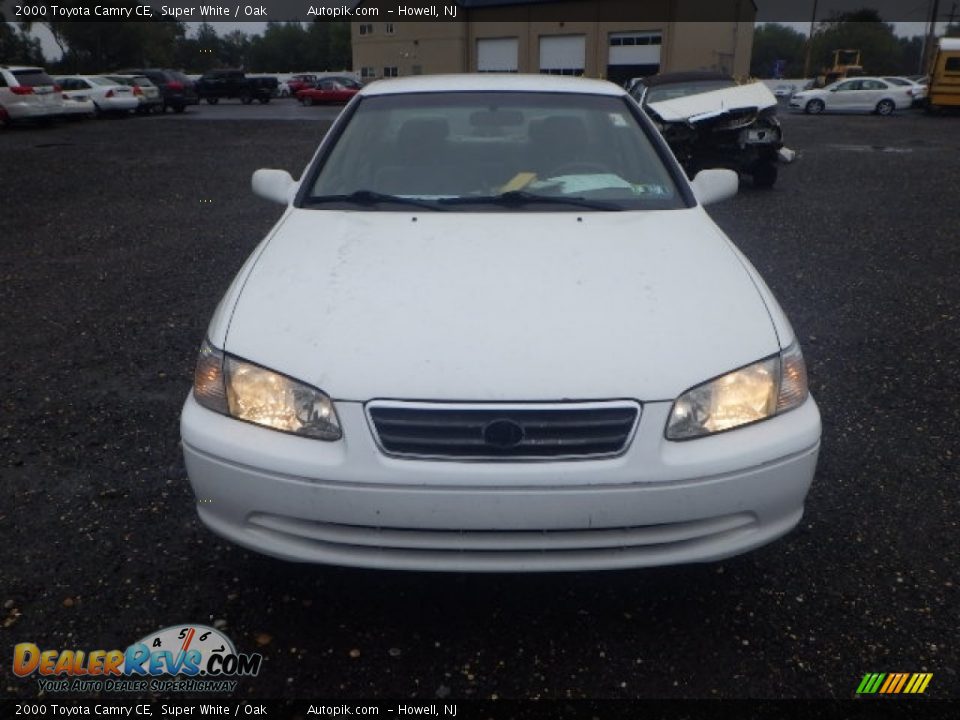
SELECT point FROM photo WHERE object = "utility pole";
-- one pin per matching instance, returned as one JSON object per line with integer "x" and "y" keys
{"x": 806, "y": 62}
{"x": 931, "y": 41}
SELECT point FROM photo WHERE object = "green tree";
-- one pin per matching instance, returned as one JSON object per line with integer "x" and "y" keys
{"x": 235, "y": 49}
{"x": 863, "y": 30}
{"x": 17, "y": 47}
{"x": 773, "y": 43}
{"x": 910, "y": 52}
{"x": 283, "y": 47}
{"x": 103, "y": 46}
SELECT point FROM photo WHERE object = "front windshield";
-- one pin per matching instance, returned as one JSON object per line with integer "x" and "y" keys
{"x": 659, "y": 93}
{"x": 542, "y": 151}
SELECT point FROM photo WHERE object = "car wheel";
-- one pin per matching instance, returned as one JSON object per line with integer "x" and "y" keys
{"x": 885, "y": 107}
{"x": 179, "y": 108}
{"x": 246, "y": 99}
{"x": 814, "y": 107}
{"x": 764, "y": 175}
{"x": 264, "y": 100}
{"x": 308, "y": 101}
{"x": 213, "y": 101}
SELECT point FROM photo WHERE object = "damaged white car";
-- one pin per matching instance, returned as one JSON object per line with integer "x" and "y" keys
{"x": 710, "y": 121}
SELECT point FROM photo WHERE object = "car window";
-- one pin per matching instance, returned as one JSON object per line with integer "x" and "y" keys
{"x": 102, "y": 82}
{"x": 897, "y": 81}
{"x": 483, "y": 144}
{"x": 3, "y": 80}
{"x": 32, "y": 77}
{"x": 952, "y": 64}
{"x": 659, "y": 93}
{"x": 874, "y": 85}
{"x": 850, "y": 85}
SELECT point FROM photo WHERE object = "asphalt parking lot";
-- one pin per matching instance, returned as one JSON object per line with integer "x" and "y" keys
{"x": 118, "y": 238}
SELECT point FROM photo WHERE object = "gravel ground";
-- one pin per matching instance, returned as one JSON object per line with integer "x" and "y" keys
{"x": 117, "y": 239}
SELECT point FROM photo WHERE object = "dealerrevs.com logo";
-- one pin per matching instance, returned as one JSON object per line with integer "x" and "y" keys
{"x": 180, "y": 658}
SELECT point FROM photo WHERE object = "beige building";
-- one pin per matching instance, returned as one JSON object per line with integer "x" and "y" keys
{"x": 527, "y": 37}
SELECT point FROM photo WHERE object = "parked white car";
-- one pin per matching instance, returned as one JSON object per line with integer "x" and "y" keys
{"x": 918, "y": 91}
{"x": 78, "y": 107}
{"x": 28, "y": 93}
{"x": 862, "y": 94}
{"x": 495, "y": 329}
{"x": 106, "y": 95}
{"x": 149, "y": 98}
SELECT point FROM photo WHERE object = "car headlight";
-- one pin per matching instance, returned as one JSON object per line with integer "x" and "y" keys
{"x": 245, "y": 391}
{"x": 756, "y": 392}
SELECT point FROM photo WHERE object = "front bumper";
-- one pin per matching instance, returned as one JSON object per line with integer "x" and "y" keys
{"x": 346, "y": 503}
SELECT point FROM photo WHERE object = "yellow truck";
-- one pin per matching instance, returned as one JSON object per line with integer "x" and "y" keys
{"x": 846, "y": 63}
{"x": 945, "y": 76}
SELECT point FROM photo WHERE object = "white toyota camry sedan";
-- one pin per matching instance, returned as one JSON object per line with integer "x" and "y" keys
{"x": 495, "y": 329}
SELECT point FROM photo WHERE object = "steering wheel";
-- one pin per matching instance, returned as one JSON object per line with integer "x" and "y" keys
{"x": 579, "y": 167}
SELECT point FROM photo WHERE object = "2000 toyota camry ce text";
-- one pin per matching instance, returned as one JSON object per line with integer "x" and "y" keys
{"x": 494, "y": 330}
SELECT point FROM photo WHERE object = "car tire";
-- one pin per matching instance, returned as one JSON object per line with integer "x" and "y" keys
{"x": 179, "y": 108}
{"x": 212, "y": 100}
{"x": 308, "y": 101}
{"x": 814, "y": 107}
{"x": 264, "y": 100}
{"x": 246, "y": 99}
{"x": 886, "y": 107}
{"x": 764, "y": 175}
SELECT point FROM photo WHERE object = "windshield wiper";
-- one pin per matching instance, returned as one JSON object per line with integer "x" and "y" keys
{"x": 370, "y": 197}
{"x": 516, "y": 198}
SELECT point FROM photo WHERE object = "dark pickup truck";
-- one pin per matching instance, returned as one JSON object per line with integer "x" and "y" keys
{"x": 218, "y": 84}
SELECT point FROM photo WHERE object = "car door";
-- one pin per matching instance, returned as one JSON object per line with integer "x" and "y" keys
{"x": 872, "y": 92}
{"x": 844, "y": 96}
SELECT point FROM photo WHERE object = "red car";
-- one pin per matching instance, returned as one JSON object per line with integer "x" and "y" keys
{"x": 300, "y": 82}
{"x": 329, "y": 90}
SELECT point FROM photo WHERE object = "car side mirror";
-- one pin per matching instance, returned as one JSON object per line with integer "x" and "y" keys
{"x": 710, "y": 186}
{"x": 275, "y": 185}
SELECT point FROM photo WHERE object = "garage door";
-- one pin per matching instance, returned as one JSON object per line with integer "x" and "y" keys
{"x": 633, "y": 54}
{"x": 497, "y": 54}
{"x": 563, "y": 54}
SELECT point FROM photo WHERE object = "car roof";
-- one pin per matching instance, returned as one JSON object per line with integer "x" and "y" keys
{"x": 18, "y": 68}
{"x": 480, "y": 82}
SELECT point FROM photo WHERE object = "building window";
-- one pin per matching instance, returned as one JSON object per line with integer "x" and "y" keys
{"x": 388, "y": 28}
{"x": 577, "y": 72}
{"x": 635, "y": 38}
{"x": 366, "y": 29}
{"x": 368, "y": 73}
{"x": 391, "y": 71}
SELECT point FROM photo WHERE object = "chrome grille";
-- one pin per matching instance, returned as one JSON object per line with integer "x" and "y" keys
{"x": 503, "y": 431}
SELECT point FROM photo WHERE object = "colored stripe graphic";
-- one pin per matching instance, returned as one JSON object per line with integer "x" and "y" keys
{"x": 894, "y": 683}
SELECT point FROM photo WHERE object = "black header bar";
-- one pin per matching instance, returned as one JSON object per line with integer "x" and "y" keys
{"x": 452, "y": 10}
{"x": 446, "y": 709}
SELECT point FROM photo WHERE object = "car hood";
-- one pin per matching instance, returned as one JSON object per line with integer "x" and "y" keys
{"x": 500, "y": 306}
{"x": 710, "y": 104}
